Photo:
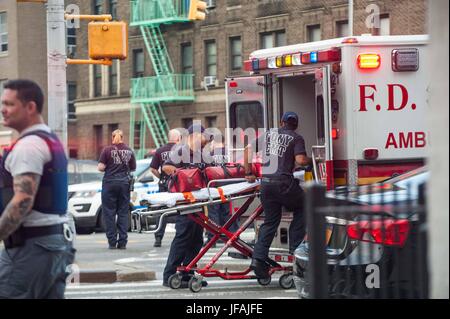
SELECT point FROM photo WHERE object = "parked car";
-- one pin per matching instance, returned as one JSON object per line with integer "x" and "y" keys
{"x": 82, "y": 171}
{"x": 377, "y": 236}
{"x": 85, "y": 202}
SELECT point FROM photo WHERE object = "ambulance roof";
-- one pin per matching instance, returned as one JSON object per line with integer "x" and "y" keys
{"x": 364, "y": 40}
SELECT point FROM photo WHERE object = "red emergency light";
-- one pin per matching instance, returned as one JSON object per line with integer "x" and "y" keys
{"x": 248, "y": 66}
{"x": 233, "y": 84}
{"x": 335, "y": 133}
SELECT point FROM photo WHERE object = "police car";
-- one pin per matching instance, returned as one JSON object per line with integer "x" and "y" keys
{"x": 85, "y": 200}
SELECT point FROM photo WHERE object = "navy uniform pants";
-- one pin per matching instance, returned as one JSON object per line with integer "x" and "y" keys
{"x": 220, "y": 214}
{"x": 275, "y": 195}
{"x": 185, "y": 246}
{"x": 36, "y": 270}
{"x": 160, "y": 233}
{"x": 115, "y": 208}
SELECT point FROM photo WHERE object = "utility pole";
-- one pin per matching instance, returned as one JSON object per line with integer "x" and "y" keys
{"x": 350, "y": 17}
{"x": 56, "y": 63}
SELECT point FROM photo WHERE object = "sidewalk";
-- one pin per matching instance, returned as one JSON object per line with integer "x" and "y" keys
{"x": 140, "y": 261}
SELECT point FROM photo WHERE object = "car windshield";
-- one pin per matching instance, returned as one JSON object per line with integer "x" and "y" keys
{"x": 142, "y": 166}
{"x": 80, "y": 171}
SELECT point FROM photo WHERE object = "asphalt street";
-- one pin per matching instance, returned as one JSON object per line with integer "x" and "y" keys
{"x": 92, "y": 253}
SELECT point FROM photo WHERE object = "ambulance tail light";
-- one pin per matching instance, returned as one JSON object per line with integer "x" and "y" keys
{"x": 233, "y": 84}
{"x": 371, "y": 154}
{"x": 369, "y": 61}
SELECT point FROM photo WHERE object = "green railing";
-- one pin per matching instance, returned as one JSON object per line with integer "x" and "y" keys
{"x": 163, "y": 88}
{"x": 146, "y": 12}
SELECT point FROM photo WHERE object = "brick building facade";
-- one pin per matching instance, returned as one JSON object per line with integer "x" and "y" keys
{"x": 215, "y": 47}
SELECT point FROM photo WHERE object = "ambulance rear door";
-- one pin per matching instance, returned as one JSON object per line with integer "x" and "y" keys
{"x": 246, "y": 107}
{"x": 322, "y": 152}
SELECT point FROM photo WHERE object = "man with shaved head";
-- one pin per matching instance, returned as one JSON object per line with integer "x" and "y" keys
{"x": 161, "y": 155}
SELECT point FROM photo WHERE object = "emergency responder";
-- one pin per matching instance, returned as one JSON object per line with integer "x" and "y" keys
{"x": 188, "y": 238}
{"x": 117, "y": 161}
{"x": 282, "y": 149}
{"x": 33, "y": 203}
{"x": 219, "y": 213}
{"x": 160, "y": 157}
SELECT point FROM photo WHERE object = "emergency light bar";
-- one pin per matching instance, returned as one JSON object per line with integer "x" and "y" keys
{"x": 295, "y": 59}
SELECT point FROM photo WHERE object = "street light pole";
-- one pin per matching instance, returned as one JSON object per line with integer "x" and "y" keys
{"x": 56, "y": 63}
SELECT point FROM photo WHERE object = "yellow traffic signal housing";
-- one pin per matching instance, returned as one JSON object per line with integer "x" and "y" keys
{"x": 197, "y": 10}
{"x": 108, "y": 40}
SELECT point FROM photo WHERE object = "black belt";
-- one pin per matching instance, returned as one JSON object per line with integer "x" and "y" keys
{"x": 32, "y": 232}
{"x": 17, "y": 239}
{"x": 282, "y": 178}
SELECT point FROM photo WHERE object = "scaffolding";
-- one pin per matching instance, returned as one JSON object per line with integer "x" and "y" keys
{"x": 148, "y": 94}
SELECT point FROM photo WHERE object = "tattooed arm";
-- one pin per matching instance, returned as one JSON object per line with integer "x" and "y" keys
{"x": 25, "y": 189}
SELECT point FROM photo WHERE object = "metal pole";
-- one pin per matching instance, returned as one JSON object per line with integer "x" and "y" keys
{"x": 350, "y": 17}
{"x": 56, "y": 62}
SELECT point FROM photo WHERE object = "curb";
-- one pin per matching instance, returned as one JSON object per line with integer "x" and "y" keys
{"x": 112, "y": 276}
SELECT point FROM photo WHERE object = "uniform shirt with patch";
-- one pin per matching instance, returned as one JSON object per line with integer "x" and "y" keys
{"x": 30, "y": 155}
{"x": 119, "y": 160}
{"x": 161, "y": 156}
{"x": 279, "y": 148}
{"x": 183, "y": 156}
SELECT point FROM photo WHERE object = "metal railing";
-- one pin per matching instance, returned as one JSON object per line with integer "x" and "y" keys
{"x": 374, "y": 248}
{"x": 146, "y": 12}
{"x": 163, "y": 88}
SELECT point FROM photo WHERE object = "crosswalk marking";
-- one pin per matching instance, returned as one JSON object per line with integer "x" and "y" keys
{"x": 216, "y": 289}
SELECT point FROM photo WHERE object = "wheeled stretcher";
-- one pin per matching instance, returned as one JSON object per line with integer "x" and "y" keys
{"x": 192, "y": 205}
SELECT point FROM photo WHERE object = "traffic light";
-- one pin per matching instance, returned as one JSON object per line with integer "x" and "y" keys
{"x": 108, "y": 40}
{"x": 197, "y": 10}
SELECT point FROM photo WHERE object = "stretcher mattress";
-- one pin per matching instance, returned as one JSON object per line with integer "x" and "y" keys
{"x": 171, "y": 199}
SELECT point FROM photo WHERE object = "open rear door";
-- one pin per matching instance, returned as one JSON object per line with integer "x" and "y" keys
{"x": 322, "y": 152}
{"x": 246, "y": 99}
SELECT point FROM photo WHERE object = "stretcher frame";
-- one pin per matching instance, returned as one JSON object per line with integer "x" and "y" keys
{"x": 195, "y": 212}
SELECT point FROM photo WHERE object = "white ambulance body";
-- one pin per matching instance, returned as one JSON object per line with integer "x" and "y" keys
{"x": 362, "y": 103}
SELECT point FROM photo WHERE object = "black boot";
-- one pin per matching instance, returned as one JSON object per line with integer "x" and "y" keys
{"x": 260, "y": 268}
{"x": 158, "y": 241}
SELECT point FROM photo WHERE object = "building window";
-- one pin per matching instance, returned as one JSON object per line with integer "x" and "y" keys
{"x": 97, "y": 80}
{"x": 71, "y": 41}
{"x": 138, "y": 63}
{"x": 71, "y": 97}
{"x": 186, "y": 122}
{"x": 186, "y": 58}
{"x": 113, "y": 88}
{"x": 385, "y": 24}
{"x": 273, "y": 39}
{"x": 235, "y": 53}
{"x": 314, "y": 33}
{"x": 211, "y": 121}
{"x": 211, "y": 58}
{"x": 342, "y": 29}
{"x": 113, "y": 8}
{"x": 3, "y": 32}
{"x": 98, "y": 6}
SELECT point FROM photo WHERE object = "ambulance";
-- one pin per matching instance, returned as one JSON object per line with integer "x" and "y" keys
{"x": 362, "y": 103}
